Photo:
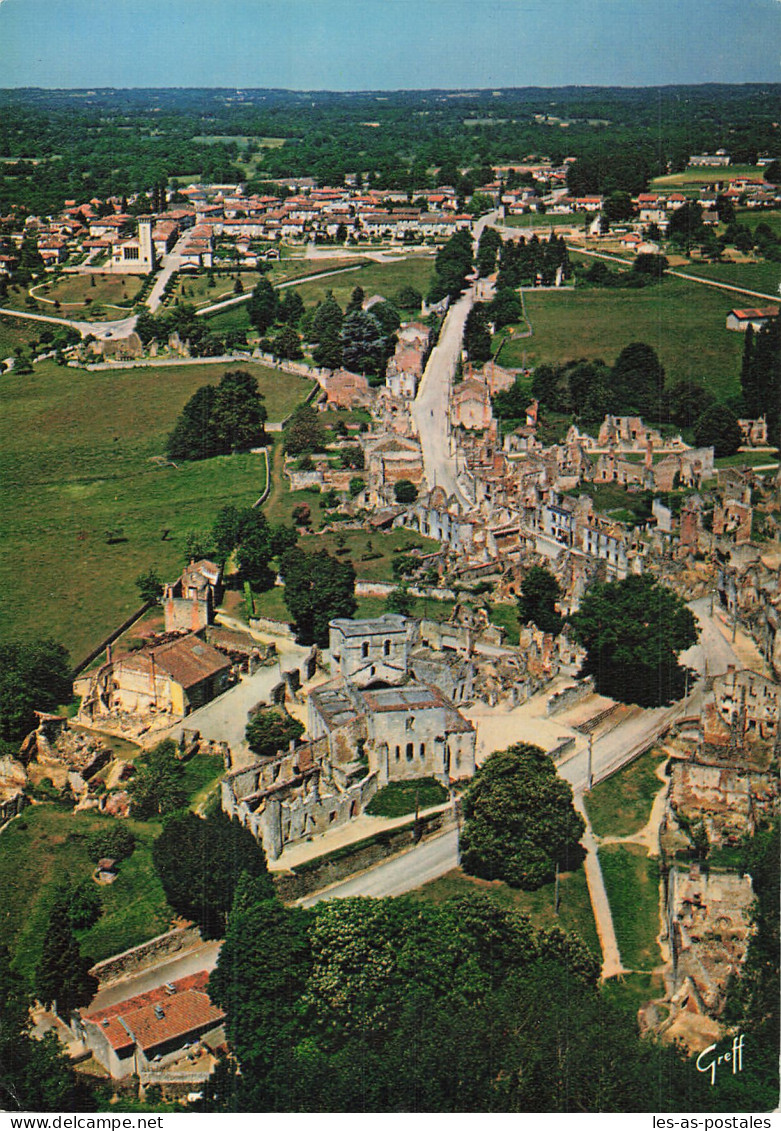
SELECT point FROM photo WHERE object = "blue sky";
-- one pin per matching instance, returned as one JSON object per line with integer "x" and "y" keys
{"x": 387, "y": 44}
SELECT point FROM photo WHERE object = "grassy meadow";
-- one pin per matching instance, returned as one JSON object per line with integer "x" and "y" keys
{"x": 574, "y": 915}
{"x": 621, "y": 805}
{"x": 684, "y": 322}
{"x": 632, "y": 883}
{"x": 76, "y": 460}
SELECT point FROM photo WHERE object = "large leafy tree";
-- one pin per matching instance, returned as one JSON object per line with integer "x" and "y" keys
{"x": 519, "y": 819}
{"x": 537, "y": 603}
{"x": 632, "y": 631}
{"x": 270, "y": 730}
{"x": 33, "y": 676}
{"x": 305, "y": 433}
{"x": 34, "y": 1074}
{"x": 157, "y": 787}
{"x": 638, "y": 377}
{"x": 317, "y": 589}
{"x": 262, "y": 305}
{"x": 477, "y": 334}
{"x": 194, "y": 435}
{"x": 718, "y": 427}
{"x": 62, "y": 978}
{"x": 239, "y": 414}
{"x": 200, "y": 863}
{"x": 363, "y": 342}
{"x": 451, "y": 267}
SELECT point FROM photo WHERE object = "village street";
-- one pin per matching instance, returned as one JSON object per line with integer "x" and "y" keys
{"x": 430, "y": 410}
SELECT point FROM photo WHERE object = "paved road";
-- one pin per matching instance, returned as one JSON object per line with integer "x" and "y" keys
{"x": 425, "y": 862}
{"x": 712, "y": 654}
{"x": 430, "y": 410}
{"x": 171, "y": 262}
{"x": 203, "y": 957}
{"x": 118, "y": 329}
{"x": 228, "y": 302}
{"x": 225, "y": 718}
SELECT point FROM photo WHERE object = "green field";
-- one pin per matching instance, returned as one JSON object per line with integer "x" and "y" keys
{"x": 401, "y": 797}
{"x": 195, "y": 289}
{"x": 46, "y": 844}
{"x": 71, "y": 472}
{"x": 546, "y": 220}
{"x": 387, "y": 545}
{"x": 752, "y": 217}
{"x": 376, "y": 278}
{"x": 574, "y": 915}
{"x": 632, "y": 883}
{"x": 684, "y": 322}
{"x": 621, "y": 805}
{"x": 78, "y": 297}
{"x": 16, "y": 334}
{"x": 703, "y": 175}
{"x": 764, "y": 277}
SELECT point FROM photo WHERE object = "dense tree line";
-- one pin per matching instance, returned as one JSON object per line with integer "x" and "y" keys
{"x": 121, "y": 142}
{"x": 526, "y": 262}
{"x": 399, "y": 1005}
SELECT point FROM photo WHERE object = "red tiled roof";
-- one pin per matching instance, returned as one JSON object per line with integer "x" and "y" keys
{"x": 186, "y": 1011}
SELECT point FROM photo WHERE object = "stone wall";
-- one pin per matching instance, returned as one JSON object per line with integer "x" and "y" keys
{"x": 139, "y": 957}
{"x": 275, "y": 627}
{"x": 331, "y": 869}
{"x": 565, "y": 698}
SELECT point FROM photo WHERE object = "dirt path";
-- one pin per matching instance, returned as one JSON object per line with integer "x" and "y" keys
{"x": 603, "y": 917}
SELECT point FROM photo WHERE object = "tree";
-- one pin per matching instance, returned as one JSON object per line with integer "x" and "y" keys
{"x": 62, "y": 979}
{"x": 363, "y": 342}
{"x": 404, "y": 491}
{"x": 305, "y": 432}
{"x": 35, "y": 1075}
{"x": 408, "y": 299}
{"x": 632, "y": 631}
{"x": 519, "y": 820}
{"x": 287, "y": 344}
{"x": 225, "y": 532}
{"x": 157, "y": 788}
{"x": 258, "y": 543}
{"x": 718, "y": 427}
{"x": 488, "y": 248}
{"x": 262, "y": 305}
{"x": 400, "y": 601}
{"x": 194, "y": 435}
{"x": 238, "y": 414}
{"x": 505, "y": 308}
{"x": 291, "y": 307}
{"x": 685, "y": 224}
{"x": 327, "y": 319}
{"x": 477, "y": 334}
{"x": 452, "y": 265}
{"x": 352, "y": 457}
{"x": 114, "y": 840}
{"x": 686, "y": 401}
{"x": 317, "y": 589}
{"x": 269, "y": 731}
{"x": 638, "y": 378}
{"x": 33, "y": 676}
{"x": 651, "y": 265}
{"x": 200, "y": 863}
{"x": 537, "y": 603}
{"x": 772, "y": 173}
{"x": 83, "y": 905}
{"x": 150, "y": 587}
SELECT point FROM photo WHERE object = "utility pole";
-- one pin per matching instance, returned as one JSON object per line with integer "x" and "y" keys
{"x": 589, "y": 775}
{"x": 556, "y": 892}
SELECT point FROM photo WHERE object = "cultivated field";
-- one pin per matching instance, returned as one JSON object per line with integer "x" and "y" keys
{"x": 704, "y": 175}
{"x": 76, "y": 462}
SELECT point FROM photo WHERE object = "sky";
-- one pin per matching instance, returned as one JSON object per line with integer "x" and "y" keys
{"x": 387, "y": 44}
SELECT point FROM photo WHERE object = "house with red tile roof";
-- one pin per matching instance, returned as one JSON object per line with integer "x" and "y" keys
{"x": 153, "y": 1030}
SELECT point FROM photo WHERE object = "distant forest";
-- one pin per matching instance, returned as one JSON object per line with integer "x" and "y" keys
{"x": 57, "y": 145}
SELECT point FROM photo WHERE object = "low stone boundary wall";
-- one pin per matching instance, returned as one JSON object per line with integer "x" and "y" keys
{"x": 565, "y": 698}
{"x": 130, "y": 961}
{"x": 275, "y": 627}
{"x": 336, "y": 866}
{"x": 131, "y": 620}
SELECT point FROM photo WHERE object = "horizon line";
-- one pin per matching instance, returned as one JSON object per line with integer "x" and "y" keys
{"x": 90, "y": 88}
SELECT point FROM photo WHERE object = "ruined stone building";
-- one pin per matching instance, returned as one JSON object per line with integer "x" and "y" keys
{"x": 189, "y": 602}
{"x": 376, "y": 722}
{"x": 708, "y": 926}
{"x": 171, "y": 678}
